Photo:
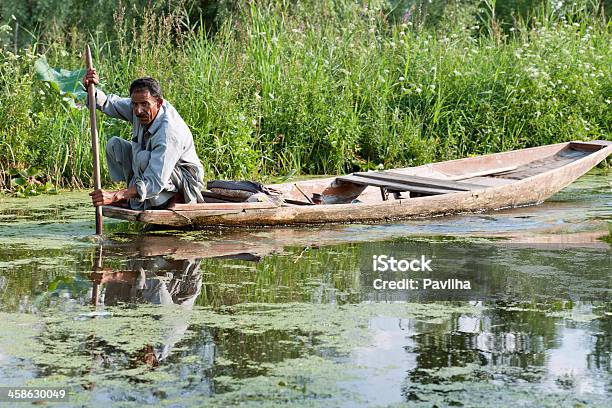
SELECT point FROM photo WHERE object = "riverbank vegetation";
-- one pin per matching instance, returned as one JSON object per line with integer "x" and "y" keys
{"x": 273, "y": 87}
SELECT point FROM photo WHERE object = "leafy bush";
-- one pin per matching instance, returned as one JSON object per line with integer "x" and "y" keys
{"x": 324, "y": 87}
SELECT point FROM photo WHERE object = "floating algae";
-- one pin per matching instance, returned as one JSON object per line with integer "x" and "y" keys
{"x": 42, "y": 203}
{"x": 478, "y": 394}
{"x": 98, "y": 351}
{"x": 108, "y": 355}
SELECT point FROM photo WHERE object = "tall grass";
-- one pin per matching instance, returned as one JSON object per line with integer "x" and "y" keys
{"x": 327, "y": 87}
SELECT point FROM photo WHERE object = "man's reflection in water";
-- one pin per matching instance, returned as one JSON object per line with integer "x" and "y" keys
{"x": 155, "y": 280}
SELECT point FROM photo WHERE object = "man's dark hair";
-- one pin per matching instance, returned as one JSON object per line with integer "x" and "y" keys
{"x": 149, "y": 84}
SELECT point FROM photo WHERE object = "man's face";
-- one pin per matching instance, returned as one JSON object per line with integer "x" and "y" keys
{"x": 145, "y": 106}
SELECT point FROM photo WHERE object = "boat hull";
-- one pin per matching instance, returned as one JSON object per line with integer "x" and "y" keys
{"x": 527, "y": 191}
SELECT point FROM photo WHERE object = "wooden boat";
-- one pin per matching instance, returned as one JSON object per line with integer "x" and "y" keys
{"x": 489, "y": 182}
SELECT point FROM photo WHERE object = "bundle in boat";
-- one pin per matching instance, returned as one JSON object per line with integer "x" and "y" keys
{"x": 243, "y": 191}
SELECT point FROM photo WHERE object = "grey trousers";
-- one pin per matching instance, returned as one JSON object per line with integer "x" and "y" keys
{"x": 119, "y": 158}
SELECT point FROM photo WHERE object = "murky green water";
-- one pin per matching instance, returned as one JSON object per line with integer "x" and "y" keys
{"x": 291, "y": 317}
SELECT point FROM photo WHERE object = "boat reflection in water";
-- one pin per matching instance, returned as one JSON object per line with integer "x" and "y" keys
{"x": 162, "y": 269}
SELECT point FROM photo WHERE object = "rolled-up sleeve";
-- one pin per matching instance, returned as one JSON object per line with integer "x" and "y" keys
{"x": 114, "y": 106}
{"x": 164, "y": 156}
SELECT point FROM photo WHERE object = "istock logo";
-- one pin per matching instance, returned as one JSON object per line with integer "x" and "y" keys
{"x": 385, "y": 263}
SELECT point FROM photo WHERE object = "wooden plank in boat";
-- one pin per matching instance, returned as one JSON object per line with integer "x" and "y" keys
{"x": 120, "y": 213}
{"x": 222, "y": 206}
{"x": 481, "y": 173}
{"x": 544, "y": 164}
{"x": 393, "y": 186}
{"x": 487, "y": 182}
{"x": 420, "y": 181}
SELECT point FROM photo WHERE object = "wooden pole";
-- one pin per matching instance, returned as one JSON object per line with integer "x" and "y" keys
{"x": 97, "y": 269}
{"x": 91, "y": 94}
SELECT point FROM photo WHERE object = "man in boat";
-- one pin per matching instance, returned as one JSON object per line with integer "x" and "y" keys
{"x": 160, "y": 164}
